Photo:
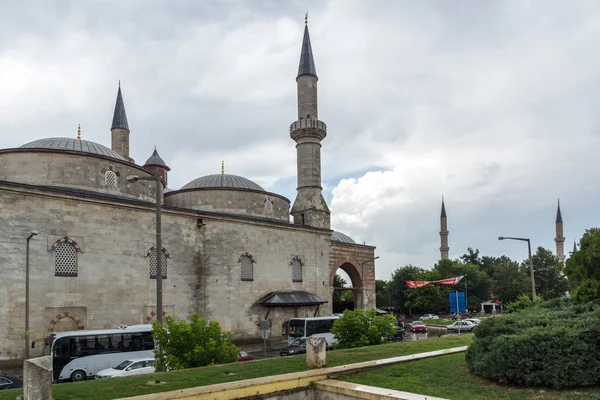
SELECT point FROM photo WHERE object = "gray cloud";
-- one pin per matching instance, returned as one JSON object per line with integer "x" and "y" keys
{"x": 492, "y": 104}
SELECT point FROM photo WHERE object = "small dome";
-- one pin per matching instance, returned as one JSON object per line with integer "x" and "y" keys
{"x": 217, "y": 181}
{"x": 341, "y": 237}
{"x": 76, "y": 145}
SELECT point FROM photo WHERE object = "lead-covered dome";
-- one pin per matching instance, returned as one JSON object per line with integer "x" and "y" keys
{"x": 75, "y": 145}
{"x": 217, "y": 181}
{"x": 341, "y": 237}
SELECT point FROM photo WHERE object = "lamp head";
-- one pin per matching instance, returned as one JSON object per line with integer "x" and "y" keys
{"x": 501, "y": 238}
{"x": 132, "y": 178}
{"x": 33, "y": 233}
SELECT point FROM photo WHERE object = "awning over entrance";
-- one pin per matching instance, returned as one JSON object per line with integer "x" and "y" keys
{"x": 290, "y": 298}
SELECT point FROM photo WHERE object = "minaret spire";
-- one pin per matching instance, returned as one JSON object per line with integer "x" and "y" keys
{"x": 309, "y": 207}
{"x": 559, "y": 239}
{"x": 120, "y": 128}
{"x": 574, "y": 245}
{"x": 444, "y": 249}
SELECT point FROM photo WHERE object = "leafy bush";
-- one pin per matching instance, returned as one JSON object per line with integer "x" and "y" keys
{"x": 359, "y": 328}
{"x": 194, "y": 343}
{"x": 553, "y": 344}
{"x": 523, "y": 302}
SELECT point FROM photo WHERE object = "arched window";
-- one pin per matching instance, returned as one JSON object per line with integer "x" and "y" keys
{"x": 65, "y": 258}
{"x": 163, "y": 264}
{"x": 269, "y": 206}
{"x": 296, "y": 270}
{"x": 247, "y": 267}
{"x": 110, "y": 179}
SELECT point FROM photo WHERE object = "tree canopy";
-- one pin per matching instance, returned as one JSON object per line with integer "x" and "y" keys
{"x": 583, "y": 267}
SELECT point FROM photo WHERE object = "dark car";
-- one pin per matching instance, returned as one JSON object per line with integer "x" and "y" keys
{"x": 6, "y": 382}
{"x": 418, "y": 326}
{"x": 298, "y": 346}
{"x": 399, "y": 335}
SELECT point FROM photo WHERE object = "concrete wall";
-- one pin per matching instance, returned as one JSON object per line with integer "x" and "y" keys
{"x": 78, "y": 171}
{"x": 240, "y": 202}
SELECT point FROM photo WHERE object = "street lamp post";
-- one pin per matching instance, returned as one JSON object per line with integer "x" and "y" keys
{"x": 362, "y": 281}
{"x": 26, "y": 354}
{"x": 530, "y": 261}
{"x": 159, "y": 274}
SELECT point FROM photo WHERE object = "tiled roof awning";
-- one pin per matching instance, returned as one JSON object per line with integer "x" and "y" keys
{"x": 290, "y": 298}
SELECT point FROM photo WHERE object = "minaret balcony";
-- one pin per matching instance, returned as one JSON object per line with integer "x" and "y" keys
{"x": 308, "y": 128}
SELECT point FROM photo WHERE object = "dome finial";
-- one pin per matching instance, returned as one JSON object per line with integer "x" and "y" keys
{"x": 306, "y": 19}
{"x": 79, "y": 131}
{"x": 222, "y": 167}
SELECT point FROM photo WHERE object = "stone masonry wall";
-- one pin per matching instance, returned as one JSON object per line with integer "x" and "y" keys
{"x": 112, "y": 285}
{"x": 77, "y": 171}
{"x": 349, "y": 257}
{"x": 232, "y": 301}
{"x": 232, "y": 201}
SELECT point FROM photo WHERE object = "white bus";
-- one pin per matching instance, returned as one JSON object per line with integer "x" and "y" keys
{"x": 78, "y": 355}
{"x": 311, "y": 326}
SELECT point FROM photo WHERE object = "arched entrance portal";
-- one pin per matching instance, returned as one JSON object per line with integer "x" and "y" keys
{"x": 345, "y": 287}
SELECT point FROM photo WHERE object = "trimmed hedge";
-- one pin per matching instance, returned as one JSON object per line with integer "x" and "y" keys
{"x": 555, "y": 344}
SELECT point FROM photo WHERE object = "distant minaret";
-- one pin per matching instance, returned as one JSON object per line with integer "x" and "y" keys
{"x": 574, "y": 245}
{"x": 120, "y": 128}
{"x": 444, "y": 233}
{"x": 309, "y": 207}
{"x": 559, "y": 239}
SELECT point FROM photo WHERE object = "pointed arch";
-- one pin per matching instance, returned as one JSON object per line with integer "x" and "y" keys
{"x": 65, "y": 256}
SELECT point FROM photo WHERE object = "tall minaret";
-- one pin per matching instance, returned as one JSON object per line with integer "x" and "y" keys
{"x": 120, "y": 128}
{"x": 444, "y": 233}
{"x": 309, "y": 207}
{"x": 559, "y": 239}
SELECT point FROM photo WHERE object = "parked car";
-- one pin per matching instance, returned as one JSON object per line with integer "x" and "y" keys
{"x": 298, "y": 346}
{"x": 428, "y": 316}
{"x": 244, "y": 356}
{"x": 399, "y": 335}
{"x": 7, "y": 382}
{"x": 135, "y": 366}
{"x": 461, "y": 326}
{"x": 476, "y": 321}
{"x": 418, "y": 326}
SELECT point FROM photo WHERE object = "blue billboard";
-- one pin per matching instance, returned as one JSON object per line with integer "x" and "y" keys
{"x": 462, "y": 305}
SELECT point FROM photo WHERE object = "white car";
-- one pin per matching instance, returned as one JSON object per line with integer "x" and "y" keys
{"x": 428, "y": 316}
{"x": 135, "y": 366}
{"x": 476, "y": 321}
{"x": 461, "y": 326}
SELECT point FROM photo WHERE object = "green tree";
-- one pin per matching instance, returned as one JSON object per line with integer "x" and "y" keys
{"x": 193, "y": 343}
{"x": 381, "y": 294}
{"x": 359, "y": 328}
{"x": 338, "y": 282}
{"x": 522, "y": 302}
{"x": 509, "y": 279}
{"x": 476, "y": 283}
{"x": 550, "y": 283}
{"x": 399, "y": 293}
{"x": 583, "y": 267}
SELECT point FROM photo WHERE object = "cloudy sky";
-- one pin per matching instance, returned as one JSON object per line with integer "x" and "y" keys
{"x": 492, "y": 104}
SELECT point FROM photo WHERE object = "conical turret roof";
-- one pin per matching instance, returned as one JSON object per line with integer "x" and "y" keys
{"x": 443, "y": 215}
{"x": 558, "y": 214}
{"x": 119, "y": 117}
{"x": 307, "y": 62}
{"x": 155, "y": 159}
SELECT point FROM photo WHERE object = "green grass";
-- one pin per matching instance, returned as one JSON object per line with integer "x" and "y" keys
{"x": 448, "y": 377}
{"x": 135, "y": 386}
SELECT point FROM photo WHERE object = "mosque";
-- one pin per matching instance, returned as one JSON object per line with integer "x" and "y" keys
{"x": 78, "y": 238}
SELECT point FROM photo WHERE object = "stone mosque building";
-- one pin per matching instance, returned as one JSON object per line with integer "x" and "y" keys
{"x": 230, "y": 251}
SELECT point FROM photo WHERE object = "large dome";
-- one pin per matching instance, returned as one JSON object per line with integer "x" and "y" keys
{"x": 76, "y": 145}
{"x": 222, "y": 181}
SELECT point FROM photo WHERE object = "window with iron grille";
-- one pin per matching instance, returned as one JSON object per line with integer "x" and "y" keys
{"x": 296, "y": 271}
{"x": 247, "y": 268}
{"x": 110, "y": 179}
{"x": 163, "y": 265}
{"x": 65, "y": 260}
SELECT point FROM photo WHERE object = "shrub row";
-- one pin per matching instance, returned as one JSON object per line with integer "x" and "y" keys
{"x": 555, "y": 344}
